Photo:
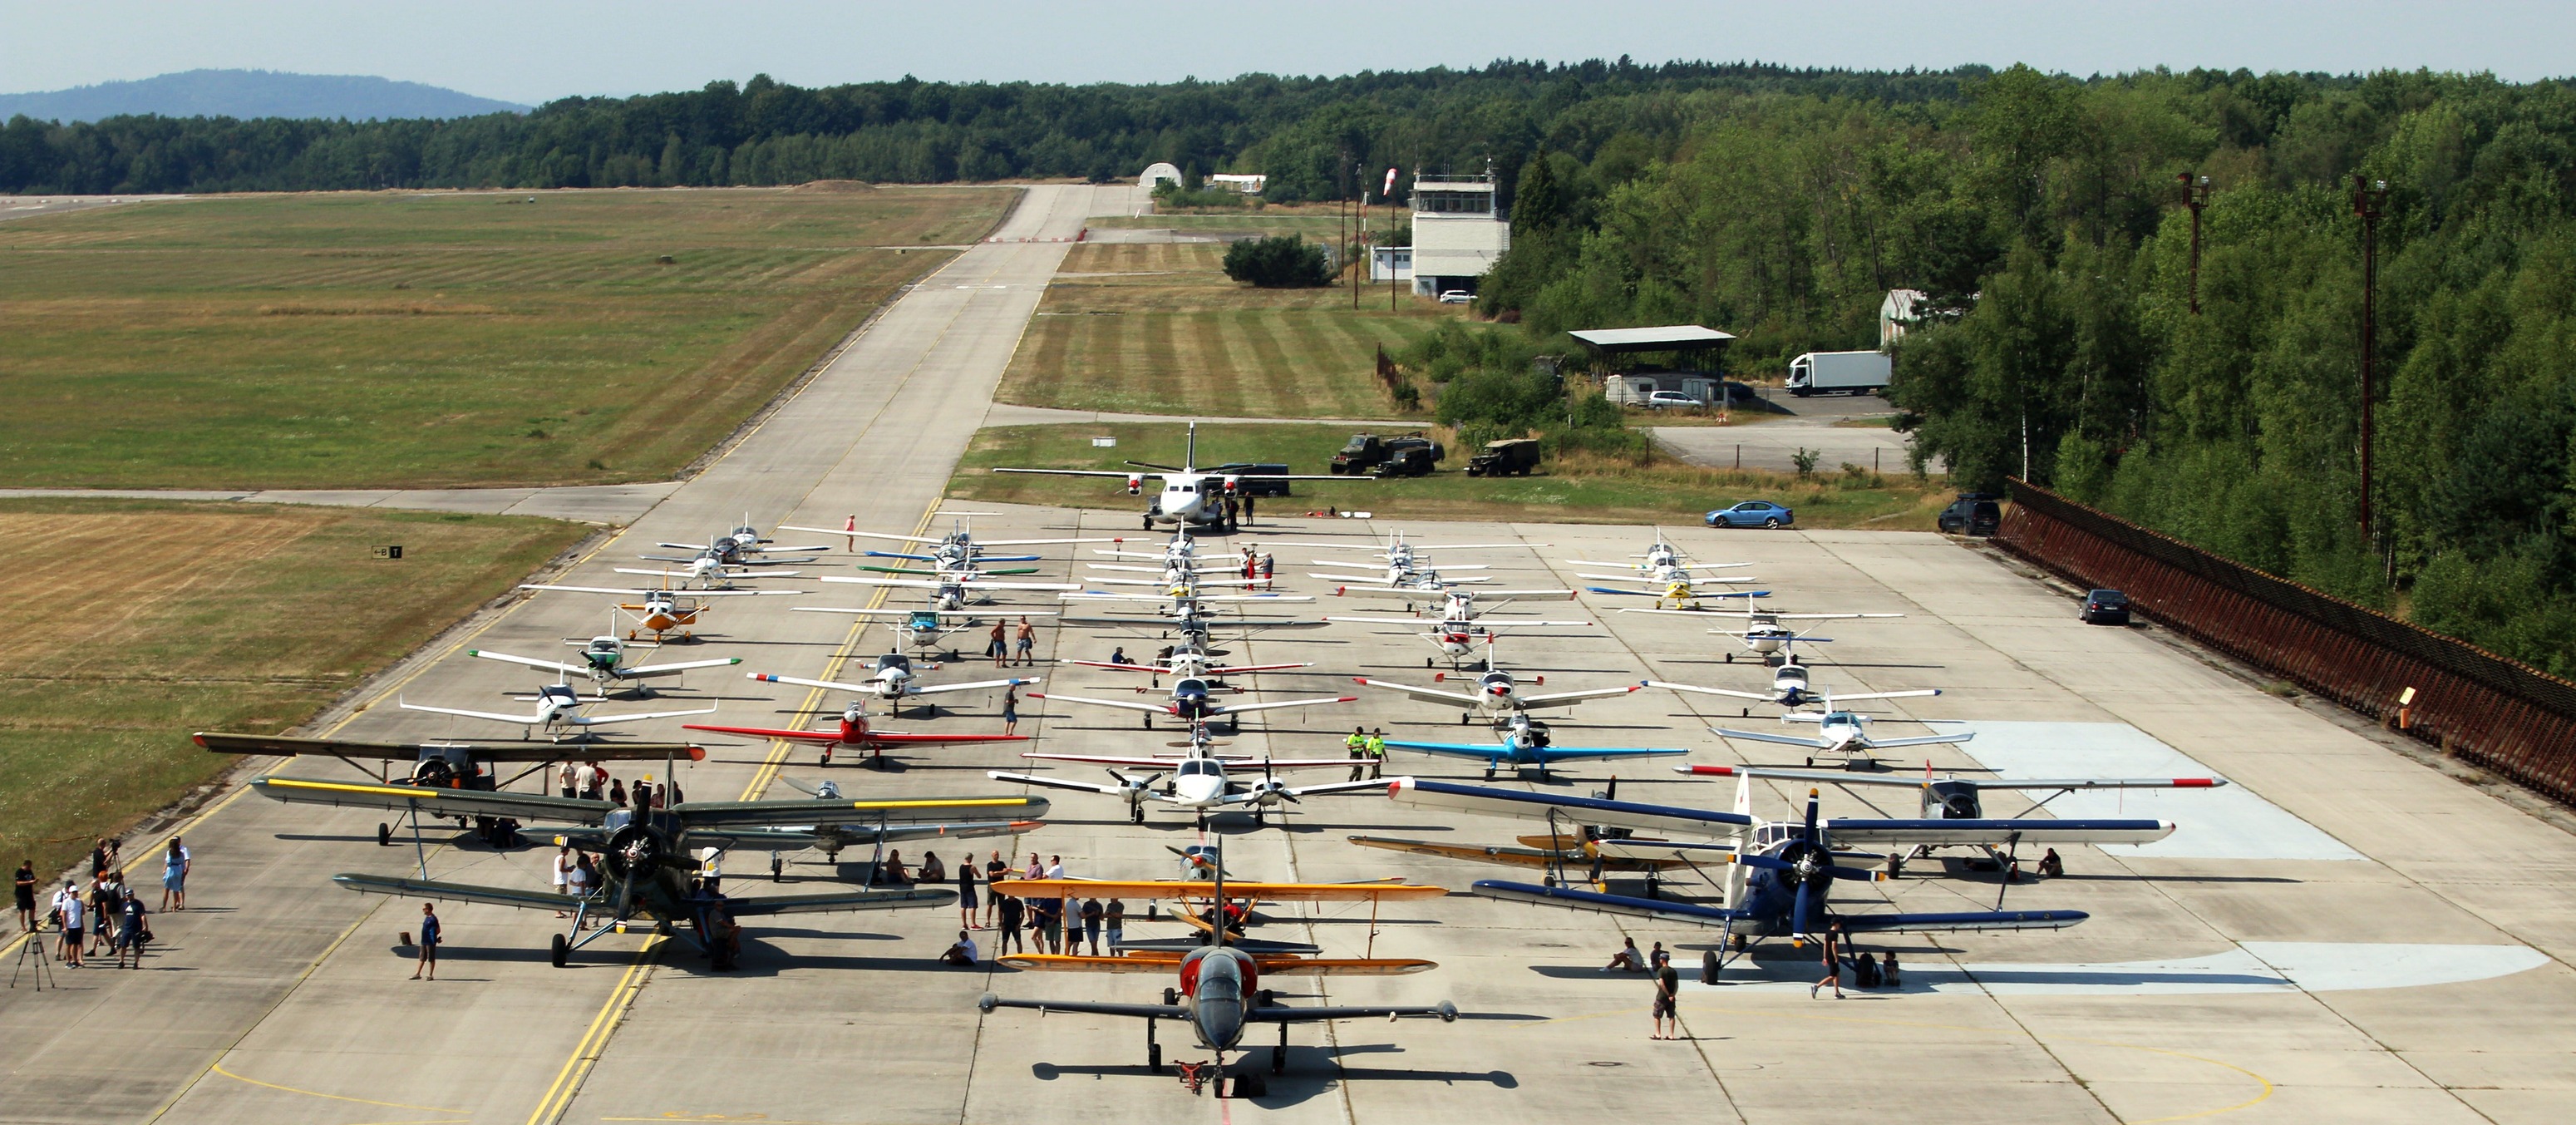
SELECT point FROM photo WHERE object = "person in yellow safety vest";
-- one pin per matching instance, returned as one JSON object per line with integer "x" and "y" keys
{"x": 1377, "y": 753}
{"x": 1357, "y": 744}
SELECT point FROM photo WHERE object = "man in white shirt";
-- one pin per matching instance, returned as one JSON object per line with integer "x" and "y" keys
{"x": 963, "y": 954}
{"x": 568, "y": 779}
{"x": 564, "y": 864}
{"x": 68, "y": 900}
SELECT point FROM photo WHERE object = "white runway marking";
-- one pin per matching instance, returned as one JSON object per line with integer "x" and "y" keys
{"x": 2228, "y": 823}
{"x": 2252, "y": 967}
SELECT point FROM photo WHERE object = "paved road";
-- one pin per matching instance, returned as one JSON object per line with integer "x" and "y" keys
{"x": 28, "y": 207}
{"x": 598, "y": 503}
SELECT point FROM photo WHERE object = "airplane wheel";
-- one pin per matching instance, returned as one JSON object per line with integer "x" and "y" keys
{"x": 1279, "y": 1060}
{"x": 777, "y": 868}
{"x": 1135, "y": 814}
{"x": 1489, "y": 775}
{"x": 562, "y": 950}
{"x": 384, "y": 835}
{"x": 1154, "y": 1057}
{"x": 1811, "y": 763}
{"x": 1462, "y": 718}
{"x": 1149, "y": 722}
{"x": 1171, "y": 996}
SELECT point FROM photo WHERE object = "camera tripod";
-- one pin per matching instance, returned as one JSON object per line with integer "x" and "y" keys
{"x": 33, "y": 949}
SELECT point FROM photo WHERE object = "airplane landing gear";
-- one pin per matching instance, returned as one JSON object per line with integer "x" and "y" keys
{"x": 562, "y": 950}
{"x": 384, "y": 835}
{"x": 777, "y": 868}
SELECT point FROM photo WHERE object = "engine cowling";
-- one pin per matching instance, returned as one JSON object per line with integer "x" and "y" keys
{"x": 1230, "y": 485}
{"x": 1135, "y": 484}
{"x": 633, "y": 852}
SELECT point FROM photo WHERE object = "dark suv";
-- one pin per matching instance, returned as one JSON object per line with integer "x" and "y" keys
{"x": 2105, "y": 607}
{"x": 1974, "y": 513}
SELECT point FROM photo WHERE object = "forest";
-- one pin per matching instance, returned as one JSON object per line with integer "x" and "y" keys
{"x": 2066, "y": 337}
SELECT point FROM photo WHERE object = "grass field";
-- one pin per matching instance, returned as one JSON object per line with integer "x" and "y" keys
{"x": 1159, "y": 329}
{"x": 140, "y": 622}
{"x": 1317, "y": 221}
{"x": 1579, "y": 489}
{"x": 438, "y": 339}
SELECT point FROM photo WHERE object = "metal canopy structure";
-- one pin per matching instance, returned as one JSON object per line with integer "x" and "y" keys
{"x": 1693, "y": 347}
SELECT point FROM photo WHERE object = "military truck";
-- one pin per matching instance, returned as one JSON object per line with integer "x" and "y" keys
{"x": 1512, "y": 456}
{"x": 1412, "y": 458}
{"x": 1367, "y": 451}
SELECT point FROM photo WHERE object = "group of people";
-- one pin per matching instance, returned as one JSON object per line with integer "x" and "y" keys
{"x": 1368, "y": 752}
{"x": 1023, "y": 650}
{"x": 1044, "y": 925}
{"x": 110, "y": 915}
{"x": 1258, "y": 568}
{"x": 590, "y": 781}
{"x": 1868, "y": 971}
{"x": 1667, "y": 979}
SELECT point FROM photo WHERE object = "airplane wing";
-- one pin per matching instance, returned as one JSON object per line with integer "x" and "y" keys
{"x": 682, "y": 666}
{"x": 434, "y": 801}
{"x": 530, "y": 661}
{"x": 1445, "y": 580}
{"x": 1508, "y": 856}
{"x": 1434, "y": 695}
{"x": 640, "y": 716}
{"x": 1838, "y": 777}
{"x": 284, "y": 746}
{"x": 1414, "y": 621}
{"x": 495, "y": 716}
{"x": 1235, "y": 890}
{"x": 1496, "y": 801}
{"x": 1913, "y": 694}
{"x": 1570, "y": 698}
{"x": 1995, "y": 831}
{"x": 988, "y": 1001}
{"x": 835, "y": 685}
{"x": 1335, "y": 787}
{"x": 1718, "y": 916}
{"x": 1091, "y": 473}
{"x": 1603, "y": 753}
{"x": 1924, "y": 740}
{"x": 1231, "y": 669}
{"x": 1955, "y": 923}
{"x": 451, "y": 892}
{"x": 1044, "y": 542}
{"x": 642, "y": 593}
{"x": 1058, "y": 783}
{"x": 1480, "y": 751}
{"x": 1775, "y": 739}
{"x": 1444, "y": 1011}
{"x": 1727, "y": 692}
{"x": 860, "y": 534}
{"x": 835, "y": 736}
{"x": 879, "y": 810}
{"x": 1247, "y": 708}
{"x": 978, "y": 685}
{"x": 1122, "y": 704}
{"x": 761, "y": 905}
{"x": 1168, "y": 763}
{"x": 1598, "y": 903}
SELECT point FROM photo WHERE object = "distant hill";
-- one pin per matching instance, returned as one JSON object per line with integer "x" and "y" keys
{"x": 252, "y": 93}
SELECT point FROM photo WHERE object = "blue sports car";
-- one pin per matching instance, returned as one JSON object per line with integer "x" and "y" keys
{"x": 1752, "y": 513}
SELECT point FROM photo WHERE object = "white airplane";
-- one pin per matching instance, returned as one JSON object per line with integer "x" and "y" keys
{"x": 1189, "y": 659}
{"x": 1197, "y": 781}
{"x": 1400, "y": 574}
{"x": 1190, "y": 497}
{"x": 558, "y": 707}
{"x": 1183, "y": 600}
{"x": 1180, "y": 549}
{"x": 1497, "y": 696}
{"x": 1399, "y": 551}
{"x": 709, "y": 572}
{"x": 1458, "y": 637}
{"x": 892, "y": 682}
{"x": 1763, "y": 634}
{"x": 1791, "y": 686}
{"x": 949, "y": 591}
{"x": 604, "y": 661}
{"x": 924, "y": 629}
{"x": 1192, "y": 702}
{"x": 1455, "y": 602}
{"x": 661, "y": 611}
{"x": 1840, "y": 732}
{"x": 958, "y": 543}
{"x": 1660, "y": 561}
{"x": 743, "y": 546}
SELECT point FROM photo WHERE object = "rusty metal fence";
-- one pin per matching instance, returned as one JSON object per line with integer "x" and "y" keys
{"x": 2500, "y": 714}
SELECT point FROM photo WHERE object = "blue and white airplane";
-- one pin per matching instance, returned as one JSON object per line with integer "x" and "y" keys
{"x": 1791, "y": 686}
{"x": 1523, "y": 742}
{"x": 1778, "y": 878}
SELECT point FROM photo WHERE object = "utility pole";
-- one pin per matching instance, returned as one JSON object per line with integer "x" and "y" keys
{"x": 2195, "y": 196}
{"x": 1359, "y": 175}
{"x": 2369, "y": 201}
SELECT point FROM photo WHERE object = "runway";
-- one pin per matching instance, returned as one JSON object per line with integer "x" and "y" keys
{"x": 2423, "y": 977}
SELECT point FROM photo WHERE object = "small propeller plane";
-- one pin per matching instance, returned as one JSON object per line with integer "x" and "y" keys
{"x": 1524, "y": 743}
{"x": 1778, "y": 876}
{"x": 742, "y": 546}
{"x": 1497, "y": 696}
{"x": 1400, "y": 551}
{"x": 1791, "y": 686}
{"x": 708, "y": 573}
{"x": 951, "y": 590}
{"x": 443, "y": 765}
{"x": 1677, "y": 586}
{"x": 926, "y": 631}
{"x": 1841, "y": 732}
{"x": 604, "y": 661}
{"x": 1196, "y": 781}
{"x": 892, "y": 682}
{"x": 1457, "y": 638}
{"x": 558, "y": 708}
{"x": 1218, "y": 990}
{"x": 1190, "y": 497}
{"x": 1953, "y": 798}
{"x": 1193, "y": 701}
{"x": 1660, "y": 561}
{"x": 855, "y": 733}
{"x": 1764, "y": 635}
{"x": 662, "y": 611}
{"x": 1190, "y": 659}
{"x": 648, "y": 852}
{"x": 958, "y": 543}
{"x": 1179, "y": 550}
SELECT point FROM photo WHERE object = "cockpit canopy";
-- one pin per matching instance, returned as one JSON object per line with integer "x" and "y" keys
{"x": 1198, "y": 767}
{"x": 894, "y": 662}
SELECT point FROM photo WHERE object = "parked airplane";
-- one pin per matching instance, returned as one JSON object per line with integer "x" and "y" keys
{"x": 1497, "y": 695}
{"x": 951, "y": 590}
{"x": 892, "y": 682}
{"x": 1193, "y": 701}
{"x": 744, "y": 546}
{"x": 444, "y": 765}
{"x": 1661, "y": 561}
{"x": 604, "y": 661}
{"x": 1458, "y": 638}
{"x": 558, "y": 707}
{"x": 854, "y": 732}
{"x": 926, "y": 630}
{"x": 1763, "y": 634}
{"x": 959, "y": 542}
{"x": 708, "y": 573}
{"x": 1954, "y": 798}
{"x": 1218, "y": 989}
{"x": 662, "y": 611}
{"x": 1841, "y": 732}
{"x": 1196, "y": 781}
{"x": 1524, "y": 742}
{"x": 1791, "y": 686}
{"x": 1190, "y": 496}
{"x": 1189, "y": 659}
{"x": 647, "y": 850}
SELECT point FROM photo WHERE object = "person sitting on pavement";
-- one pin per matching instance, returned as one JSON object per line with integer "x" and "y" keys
{"x": 1627, "y": 960}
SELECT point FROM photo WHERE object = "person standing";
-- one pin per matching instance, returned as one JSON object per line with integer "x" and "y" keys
{"x": 1357, "y": 744}
{"x": 997, "y": 649}
{"x": 1833, "y": 958}
{"x": 67, "y": 902}
{"x": 1027, "y": 643}
{"x": 176, "y": 862}
{"x": 1247, "y": 507}
{"x": 1035, "y": 869}
{"x": 1092, "y": 914}
{"x": 585, "y": 879}
{"x": 103, "y": 903}
{"x": 594, "y": 778}
{"x": 1012, "y": 911}
{"x": 966, "y": 892}
{"x": 1269, "y": 565}
{"x": 98, "y": 859}
{"x": 563, "y": 873}
{"x": 1114, "y": 919}
{"x": 568, "y": 779}
{"x": 617, "y": 792}
{"x": 129, "y": 929}
{"x": 25, "y": 884}
{"x": 994, "y": 871}
{"x": 1668, "y": 994}
{"x": 429, "y": 939}
{"x": 1376, "y": 753}
{"x": 1011, "y": 710}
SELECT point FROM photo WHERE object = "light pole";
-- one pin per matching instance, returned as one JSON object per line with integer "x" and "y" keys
{"x": 2369, "y": 201}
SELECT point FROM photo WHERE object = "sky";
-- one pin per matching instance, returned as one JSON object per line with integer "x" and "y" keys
{"x": 532, "y": 51}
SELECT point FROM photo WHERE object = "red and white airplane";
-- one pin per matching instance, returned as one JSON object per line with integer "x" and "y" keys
{"x": 855, "y": 733}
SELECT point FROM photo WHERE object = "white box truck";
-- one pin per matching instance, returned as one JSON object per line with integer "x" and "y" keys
{"x": 1848, "y": 373}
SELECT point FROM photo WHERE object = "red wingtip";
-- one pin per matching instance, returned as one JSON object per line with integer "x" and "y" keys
{"x": 697, "y": 753}
{"x": 199, "y": 738}
{"x": 1710, "y": 771}
{"x": 2195, "y": 783}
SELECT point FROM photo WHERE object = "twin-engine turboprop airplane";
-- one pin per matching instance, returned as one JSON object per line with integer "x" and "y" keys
{"x": 892, "y": 682}
{"x": 604, "y": 661}
{"x": 558, "y": 708}
{"x": 1193, "y": 702}
{"x": 1190, "y": 497}
{"x": 855, "y": 733}
{"x": 1218, "y": 991}
{"x": 662, "y": 611}
{"x": 1524, "y": 743}
{"x": 1197, "y": 782}
{"x": 1497, "y": 696}
{"x": 650, "y": 853}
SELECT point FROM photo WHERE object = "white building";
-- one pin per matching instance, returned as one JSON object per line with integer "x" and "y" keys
{"x": 1457, "y": 233}
{"x": 1159, "y": 173}
{"x": 1390, "y": 263}
{"x": 1896, "y": 314}
{"x": 1248, "y": 185}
